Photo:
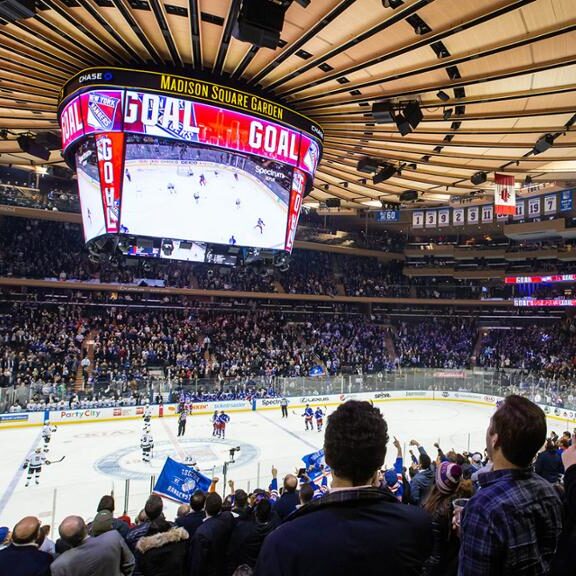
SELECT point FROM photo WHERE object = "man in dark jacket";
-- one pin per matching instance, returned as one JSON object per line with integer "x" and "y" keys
{"x": 549, "y": 463}
{"x": 289, "y": 500}
{"x": 356, "y": 528}
{"x": 104, "y": 519}
{"x": 192, "y": 521}
{"x": 422, "y": 482}
{"x": 208, "y": 552}
{"x": 22, "y": 557}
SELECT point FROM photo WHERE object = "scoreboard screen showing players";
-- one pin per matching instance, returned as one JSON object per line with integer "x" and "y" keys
{"x": 178, "y": 158}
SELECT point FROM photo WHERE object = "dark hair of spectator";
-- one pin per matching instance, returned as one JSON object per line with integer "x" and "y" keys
{"x": 197, "y": 501}
{"x": 106, "y": 503}
{"x": 213, "y": 504}
{"x": 263, "y": 511}
{"x": 521, "y": 429}
{"x": 355, "y": 441}
{"x": 240, "y": 499}
{"x": 153, "y": 507}
{"x": 425, "y": 461}
{"x": 306, "y": 493}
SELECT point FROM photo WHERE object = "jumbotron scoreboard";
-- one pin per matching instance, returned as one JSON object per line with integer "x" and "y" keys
{"x": 181, "y": 166}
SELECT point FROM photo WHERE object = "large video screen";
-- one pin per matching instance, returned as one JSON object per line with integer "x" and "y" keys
{"x": 182, "y": 190}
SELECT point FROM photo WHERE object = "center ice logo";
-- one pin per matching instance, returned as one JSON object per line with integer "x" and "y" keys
{"x": 102, "y": 111}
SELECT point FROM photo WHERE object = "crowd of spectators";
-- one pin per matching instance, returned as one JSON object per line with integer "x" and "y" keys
{"x": 502, "y": 510}
{"x": 370, "y": 277}
{"x": 310, "y": 273}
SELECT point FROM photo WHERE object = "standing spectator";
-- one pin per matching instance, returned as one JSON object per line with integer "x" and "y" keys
{"x": 193, "y": 520}
{"x": 444, "y": 558}
{"x": 22, "y": 557}
{"x": 208, "y": 553}
{"x": 289, "y": 499}
{"x": 565, "y": 558}
{"x": 356, "y": 528}
{"x": 424, "y": 479}
{"x": 512, "y": 524}
{"x": 549, "y": 463}
{"x": 106, "y": 555}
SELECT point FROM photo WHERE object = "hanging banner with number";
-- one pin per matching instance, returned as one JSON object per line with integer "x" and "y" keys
{"x": 487, "y": 214}
{"x": 550, "y": 204}
{"x": 533, "y": 207}
{"x": 473, "y": 215}
{"x": 431, "y": 218}
{"x": 418, "y": 219}
{"x": 444, "y": 217}
{"x": 502, "y": 217}
{"x": 520, "y": 210}
{"x": 458, "y": 217}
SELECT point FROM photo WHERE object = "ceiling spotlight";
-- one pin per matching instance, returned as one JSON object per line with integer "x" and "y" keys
{"x": 447, "y": 113}
{"x": 392, "y": 3}
{"x": 402, "y": 124}
{"x": 367, "y": 165}
{"x": 303, "y": 3}
{"x": 543, "y": 143}
{"x": 387, "y": 171}
{"x": 413, "y": 114}
{"x": 383, "y": 112}
{"x": 425, "y": 158}
{"x": 527, "y": 181}
{"x": 479, "y": 178}
{"x": 443, "y": 96}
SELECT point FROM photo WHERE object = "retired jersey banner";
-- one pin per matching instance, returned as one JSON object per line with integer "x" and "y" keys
{"x": 444, "y": 217}
{"x": 520, "y": 210}
{"x": 550, "y": 204}
{"x": 430, "y": 218}
{"x": 458, "y": 217}
{"x": 565, "y": 200}
{"x": 473, "y": 215}
{"x": 487, "y": 214}
{"x": 533, "y": 207}
{"x": 418, "y": 219}
{"x": 504, "y": 194}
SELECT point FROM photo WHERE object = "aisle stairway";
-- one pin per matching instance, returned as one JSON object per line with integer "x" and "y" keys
{"x": 88, "y": 349}
{"x": 388, "y": 340}
{"x": 478, "y": 345}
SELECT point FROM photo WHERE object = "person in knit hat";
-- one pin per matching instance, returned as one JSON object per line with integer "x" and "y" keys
{"x": 444, "y": 558}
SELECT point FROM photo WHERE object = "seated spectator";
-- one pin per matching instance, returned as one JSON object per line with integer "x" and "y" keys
{"x": 107, "y": 555}
{"x": 512, "y": 524}
{"x": 354, "y": 529}
{"x": 210, "y": 542}
{"x": 193, "y": 520}
{"x": 549, "y": 463}
{"x": 105, "y": 521}
{"x": 22, "y": 557}
{"x": 164, "y": 550}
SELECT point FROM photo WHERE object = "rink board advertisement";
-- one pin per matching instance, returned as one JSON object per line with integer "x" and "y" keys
{"x": 18, "y": 419}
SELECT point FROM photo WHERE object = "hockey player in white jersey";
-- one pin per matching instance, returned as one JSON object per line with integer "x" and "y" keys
{"x": 47, "y": 434}
{"x": 34, "y": 464}
{"x": 147, "y": 445}
{"x": 147, "y": 416}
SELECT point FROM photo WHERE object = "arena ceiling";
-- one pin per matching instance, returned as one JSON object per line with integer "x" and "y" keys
{"x": 507, "y": 69}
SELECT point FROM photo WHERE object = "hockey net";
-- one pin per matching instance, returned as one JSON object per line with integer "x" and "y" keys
{"x": 184, "y": 170}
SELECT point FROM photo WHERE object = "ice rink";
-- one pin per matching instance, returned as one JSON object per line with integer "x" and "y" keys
{"x": 101, "y": 456}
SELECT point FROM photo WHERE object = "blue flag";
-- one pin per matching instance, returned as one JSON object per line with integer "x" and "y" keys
{"x": 315, "y": 464}
{"x": 178, "y": 481}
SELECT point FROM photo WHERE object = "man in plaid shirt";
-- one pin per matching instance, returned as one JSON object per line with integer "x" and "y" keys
{"x": 512, "y": 525}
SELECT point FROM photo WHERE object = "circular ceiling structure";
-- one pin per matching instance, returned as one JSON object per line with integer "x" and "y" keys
{"x": 428, "y": 95}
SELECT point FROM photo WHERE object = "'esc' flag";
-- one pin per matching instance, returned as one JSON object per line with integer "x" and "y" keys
{"x": 504, "y": 195}
{"x": 178, "y": 481}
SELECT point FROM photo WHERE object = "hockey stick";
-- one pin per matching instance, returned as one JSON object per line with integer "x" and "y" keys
{"x": 55, "y": 461}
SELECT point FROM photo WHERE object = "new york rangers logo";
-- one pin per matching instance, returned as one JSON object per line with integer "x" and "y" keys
{"x": 185, "y": 127}
{"x": 311, "y": 157}
{"x": 102, "y": 111}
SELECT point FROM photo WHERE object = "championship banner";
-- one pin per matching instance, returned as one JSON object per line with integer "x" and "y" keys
{"x": 418, "y": 219}
{"x": 444, "y": 217}
{"x": 178, "y": 481}
{"x": 458, "y": 217}
{"x": 504, "y": 194}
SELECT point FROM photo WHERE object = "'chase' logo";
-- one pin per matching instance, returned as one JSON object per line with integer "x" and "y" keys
{"x": 317, "y": 131}
{"x": 92, "y": 76}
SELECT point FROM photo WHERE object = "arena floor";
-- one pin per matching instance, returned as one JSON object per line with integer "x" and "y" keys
{"x": 101, "y": 456}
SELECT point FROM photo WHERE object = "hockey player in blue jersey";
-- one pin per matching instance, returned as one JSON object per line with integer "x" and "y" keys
{"x": 308, "y": 415}
{"x": 223, "y": 419}
{"x": 319, "y": 416}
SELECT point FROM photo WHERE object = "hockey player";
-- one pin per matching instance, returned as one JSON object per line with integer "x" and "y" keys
{"x": 47, "y": 434}
{"x": 238, "y": 203}
{"x": 236, "y": 176}
{"x": 128, "y": 177}
{"x": 308, "y": 415}
{"x": 147, "y": 445}
{"x": 319, "y": 415}
{"x": 197, "y": 196}
{"x": 223, "y": 419}
{"x": 260, "y": 225}
{"x": 202, "y": 180}
{"x": 147, "y": 416}
{"x": 34, "y": 464}
{"x": 171, "y": 188}
{"x": 215, "y": 424}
